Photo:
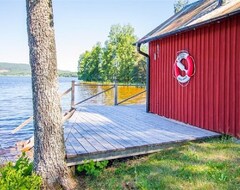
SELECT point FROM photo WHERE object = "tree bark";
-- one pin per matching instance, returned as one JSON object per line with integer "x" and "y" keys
{"x": 49, "y": 150}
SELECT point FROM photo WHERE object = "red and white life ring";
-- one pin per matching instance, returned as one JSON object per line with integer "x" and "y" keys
{"x": 178, "y": 67}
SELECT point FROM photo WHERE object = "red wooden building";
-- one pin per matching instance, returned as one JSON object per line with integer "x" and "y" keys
{"x": 194, "y": 66}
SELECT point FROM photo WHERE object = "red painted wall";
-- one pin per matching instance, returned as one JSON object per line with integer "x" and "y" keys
{"x": 211, "y": 99}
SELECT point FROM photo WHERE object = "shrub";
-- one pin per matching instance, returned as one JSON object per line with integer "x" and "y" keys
{"x": 92, "y": 168}
{"x": 19, "y": 176}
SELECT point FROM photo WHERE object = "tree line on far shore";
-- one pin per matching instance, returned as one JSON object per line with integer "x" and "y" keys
{"x": 116, "y": 59}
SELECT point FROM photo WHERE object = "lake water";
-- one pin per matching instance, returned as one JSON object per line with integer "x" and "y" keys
{"x": 16, "y": 103}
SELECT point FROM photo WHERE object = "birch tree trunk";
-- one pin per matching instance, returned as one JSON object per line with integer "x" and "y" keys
{"x": 49, "y": 150}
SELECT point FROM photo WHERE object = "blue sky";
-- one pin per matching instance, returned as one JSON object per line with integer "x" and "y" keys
{"x": 79, "y": 24}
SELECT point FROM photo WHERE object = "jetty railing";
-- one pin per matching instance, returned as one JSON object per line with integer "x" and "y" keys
{"x": 114, "y": 86}
{"x": 131, "y": 97}
{"x": 68, "y": 114}
{"x": 93, "y": 96}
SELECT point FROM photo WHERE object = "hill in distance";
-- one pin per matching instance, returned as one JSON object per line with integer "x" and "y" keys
{"x": 19, "y": 69}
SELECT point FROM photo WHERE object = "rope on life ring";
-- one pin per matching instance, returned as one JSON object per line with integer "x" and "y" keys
{"x": 178, "y": 67}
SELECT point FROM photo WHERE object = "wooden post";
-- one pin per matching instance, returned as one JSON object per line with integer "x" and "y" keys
{"x": 72, "y": 94}
{"x": 115, "y": 93}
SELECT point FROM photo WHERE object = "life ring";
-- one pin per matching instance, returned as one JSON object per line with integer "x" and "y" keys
{"x": 178, "y": 67}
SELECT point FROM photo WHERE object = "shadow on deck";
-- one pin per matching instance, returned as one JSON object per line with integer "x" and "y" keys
{"x": 110, "y": 132}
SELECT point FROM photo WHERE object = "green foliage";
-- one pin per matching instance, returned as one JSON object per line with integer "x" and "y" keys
{"x": 118, "y": 58}
{"x": 226, "y": 138}
{"x": 19, "y": 176}
{"x": 179, "y": 5}
{"x": 92, "y": 168}
{"x": 90, "y": 64}
{"x": 123, "y": 53}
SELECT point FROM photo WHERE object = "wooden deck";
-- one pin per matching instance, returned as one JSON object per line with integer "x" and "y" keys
{"x": 109, "y": 132}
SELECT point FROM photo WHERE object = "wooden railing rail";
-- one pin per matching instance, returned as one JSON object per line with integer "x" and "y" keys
{"x": 27, "y": 121}
{"x": 93, "y": 96}
{"x": 66, "y": 92}
{"x": 136, "y": 85}
{"x": 115, "y": 85}
{"x": 135, "y": 95}
{"x": 111, "y": 84}
{"x": 68, "y": 114}
{"x": 85, "y": 84}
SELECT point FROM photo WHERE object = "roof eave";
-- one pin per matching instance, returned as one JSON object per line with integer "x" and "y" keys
{"x": 187, "y": 28}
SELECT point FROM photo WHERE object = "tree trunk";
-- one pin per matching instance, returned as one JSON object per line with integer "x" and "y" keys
{"x": 49, "y": 150}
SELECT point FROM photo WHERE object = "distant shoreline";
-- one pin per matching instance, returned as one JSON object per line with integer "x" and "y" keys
{"x": 31, "y": 75}
{"x": 18, "y": 70}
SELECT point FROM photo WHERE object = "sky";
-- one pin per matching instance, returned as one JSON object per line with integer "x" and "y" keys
{"x": 79, "y": 25}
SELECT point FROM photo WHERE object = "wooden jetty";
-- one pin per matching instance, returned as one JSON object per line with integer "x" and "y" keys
{"x": 110, "y": 132}
{"x": 96, "y": 132}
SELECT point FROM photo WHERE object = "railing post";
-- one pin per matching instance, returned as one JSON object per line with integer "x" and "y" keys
{"x": 73, "y": 94}
{"x": 115, "y": 93}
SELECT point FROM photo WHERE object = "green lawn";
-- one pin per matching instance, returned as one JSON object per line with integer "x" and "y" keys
{"x": 210, "y": 164}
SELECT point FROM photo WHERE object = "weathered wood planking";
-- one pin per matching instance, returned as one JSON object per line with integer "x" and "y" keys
{"x": 109, "y": 132}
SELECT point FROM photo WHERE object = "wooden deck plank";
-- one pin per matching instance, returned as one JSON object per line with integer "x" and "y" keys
{"x": 107, "y": 129}
{"x": 140, "y": 128}
{"x": 83, "y": 134}
{"x": 135, "y": 128}
{"x": 155, "y": 119}
{"x": 119, "y": 129}
{"x": 150, "y": 135}
{"x": 160, "y": 122}
{"x": 112, "y": 139}
{"x": 107, "y": 132}
{"x": 69, "y": 149}
{"x": 78, "y": 142}
{"x": 82, "y": 141}
{"x": 95, "y": 135}
{"x": 166, "y": 131}
{"x": 77, "y": 146}
{"x": 166, "y": 120}
{"x": 129, "y": 133}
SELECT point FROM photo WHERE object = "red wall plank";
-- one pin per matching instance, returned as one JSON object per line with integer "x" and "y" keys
{"x": 211, "y": 99}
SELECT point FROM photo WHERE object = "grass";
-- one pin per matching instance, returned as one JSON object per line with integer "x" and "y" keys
{"x": 210, "y": 164}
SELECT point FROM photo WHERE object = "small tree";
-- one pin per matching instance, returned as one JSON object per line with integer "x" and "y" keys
{"x": 179, "y": 5}
{"x": 95, "y": 65}
{"x": 89, "y": 64}
{"x": 121, "y": 39}
{"x": 83, "y": 66}
{"x": 117, "y": 58}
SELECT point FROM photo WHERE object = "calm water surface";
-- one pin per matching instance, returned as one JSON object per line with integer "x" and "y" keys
{"x": 16, "y": 104}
